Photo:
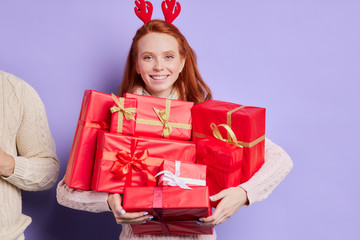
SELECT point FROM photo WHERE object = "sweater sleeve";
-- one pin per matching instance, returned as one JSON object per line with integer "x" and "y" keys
{"x": 81, "y": 200}
{"x": 36, "y": 166}
{"x": 276, "y": 166}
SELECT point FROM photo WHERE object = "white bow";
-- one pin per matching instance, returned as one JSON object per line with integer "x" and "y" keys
{"x": 175, "y": 180}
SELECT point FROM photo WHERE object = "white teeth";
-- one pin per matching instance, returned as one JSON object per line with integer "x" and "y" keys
{"x": 159, "y": 77}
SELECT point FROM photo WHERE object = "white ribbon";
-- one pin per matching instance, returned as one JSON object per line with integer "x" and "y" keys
{"x": 175, "y": 180}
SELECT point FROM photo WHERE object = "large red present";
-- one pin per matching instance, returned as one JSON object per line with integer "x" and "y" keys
{"x": 123, "y": 118}
{"x": 161, "y": 117}
{"x": 123, "y": 160}
{"x": 182, "y": 174}
{"x": 94, "y": 115}
{"x": 180, "y": 208}
{"x": 244, "y": 127}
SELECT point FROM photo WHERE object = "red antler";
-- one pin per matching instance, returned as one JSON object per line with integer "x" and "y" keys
{"x": 171, "y": 11}
{"x": 143, "y": 10}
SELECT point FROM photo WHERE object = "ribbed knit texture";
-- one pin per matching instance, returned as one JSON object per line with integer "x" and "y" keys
{"x": 276, "y": 166}
{"x": 24, "y": 130}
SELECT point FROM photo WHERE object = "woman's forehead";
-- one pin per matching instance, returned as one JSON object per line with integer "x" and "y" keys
{"x": 158, "y": 42}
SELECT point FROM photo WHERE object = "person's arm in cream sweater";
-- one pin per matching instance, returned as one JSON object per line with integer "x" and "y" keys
{"x": 36, "y": 166}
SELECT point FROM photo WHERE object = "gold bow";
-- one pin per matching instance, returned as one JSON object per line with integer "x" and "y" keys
{"x": 164, "y": 119}
{"x": 120, "y": 108}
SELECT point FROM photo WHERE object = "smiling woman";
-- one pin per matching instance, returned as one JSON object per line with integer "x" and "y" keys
{"x": 160, "y": 50}
{"x": 159, "y": 63}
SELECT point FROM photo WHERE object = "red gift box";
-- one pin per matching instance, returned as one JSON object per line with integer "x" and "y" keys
{"x": 161, "y": 117}
{"x": 123, "y": 116}
{"x": 123, "y": 160}
{"x": 94, "y": 115}
{"x": 226, "y": 164}
{"x": 178, "y": 207}
{"x": 184, "y": 175}
{"x": 244, "y": 127}
{"x": 247, "y": 123}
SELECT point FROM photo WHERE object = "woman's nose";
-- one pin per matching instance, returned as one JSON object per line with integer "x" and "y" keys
{"x": 158, "y": 66}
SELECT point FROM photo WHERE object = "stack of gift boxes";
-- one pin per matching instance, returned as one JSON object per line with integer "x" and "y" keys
{"x": 165, "y": 156}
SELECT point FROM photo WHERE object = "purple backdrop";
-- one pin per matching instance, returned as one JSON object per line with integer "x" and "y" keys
{"x": 299, "y": 59}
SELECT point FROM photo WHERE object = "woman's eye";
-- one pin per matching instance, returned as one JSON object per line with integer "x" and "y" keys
{"x": 169, "y": 57}
{"x": 147, "y": 58}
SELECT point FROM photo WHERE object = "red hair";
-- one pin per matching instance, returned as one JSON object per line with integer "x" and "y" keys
{"x": 189, "y": 84}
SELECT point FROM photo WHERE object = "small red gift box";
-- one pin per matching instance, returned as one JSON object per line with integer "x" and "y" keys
{"x": 178, "y": 207}
{"x": 123, "y": 160}
{"x": 184, "y": 175}
{"x": 226, "y": 164}
{"x": 94, "y": 115}
{"x": 123, "y": 116}
{"x": 161, "y": 117}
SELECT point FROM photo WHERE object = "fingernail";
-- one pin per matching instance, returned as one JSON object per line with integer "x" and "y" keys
{"x": 150, "y": 218}
{"x": 144, "y": 222}
{"x": 146, "y": 213}
{"x": 122, "y": 212}
{"x": 211, "y": 198}
{"x": 201, "y": 220}
{"x": 199, "y": 223}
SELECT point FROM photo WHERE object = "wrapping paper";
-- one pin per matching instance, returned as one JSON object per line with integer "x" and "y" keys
{"x": 123, "y": 118}
{"x": 119, "y": 160}
{"x": 160, "y": 117}
{"x": 175, "y": 210}
{"x": 94, "y": 115}
{"x": 184, "y": 175}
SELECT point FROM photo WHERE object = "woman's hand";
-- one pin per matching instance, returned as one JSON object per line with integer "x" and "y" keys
{"x": 7, "y": 164}
{"x": 122, "y": 217}
{"x": 232, "y": 199}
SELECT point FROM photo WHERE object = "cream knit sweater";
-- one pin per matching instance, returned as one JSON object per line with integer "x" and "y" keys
{"x": 25, "y": 135}
{"x": 276, "y": 166}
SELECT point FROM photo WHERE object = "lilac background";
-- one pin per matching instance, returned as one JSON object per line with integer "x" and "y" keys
{"x": 299, "y": 59}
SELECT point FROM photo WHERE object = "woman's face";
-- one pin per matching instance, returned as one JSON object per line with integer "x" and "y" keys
{"x": 159, "y": 63}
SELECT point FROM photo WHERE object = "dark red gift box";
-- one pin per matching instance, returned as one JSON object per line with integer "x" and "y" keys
{"x": 94, "y": 115}
{"x": 161, "y": 117}
{"x": 181, "y": 208}
{"x": 123, "y": 160}
{"x": 154, "y": 227}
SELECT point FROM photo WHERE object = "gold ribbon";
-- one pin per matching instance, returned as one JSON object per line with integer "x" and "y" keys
{"x": 163, "y": 121}
{"x": 127, "y": 112}
{"x": 229, "y": 131}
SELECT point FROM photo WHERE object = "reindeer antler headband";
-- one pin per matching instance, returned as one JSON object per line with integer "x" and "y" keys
{"x": 144, "y": 9}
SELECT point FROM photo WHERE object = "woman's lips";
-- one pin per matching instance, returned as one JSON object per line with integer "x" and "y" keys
{"x": 159, "y": 77}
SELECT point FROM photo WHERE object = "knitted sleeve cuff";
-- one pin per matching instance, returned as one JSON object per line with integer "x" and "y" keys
{"x": 17, "y": 178}
{"x": 81, "y": 200}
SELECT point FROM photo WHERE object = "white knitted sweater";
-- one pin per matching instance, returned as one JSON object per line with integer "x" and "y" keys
{"x": 25, "y": 135}
{"x": 276, "y": 166}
